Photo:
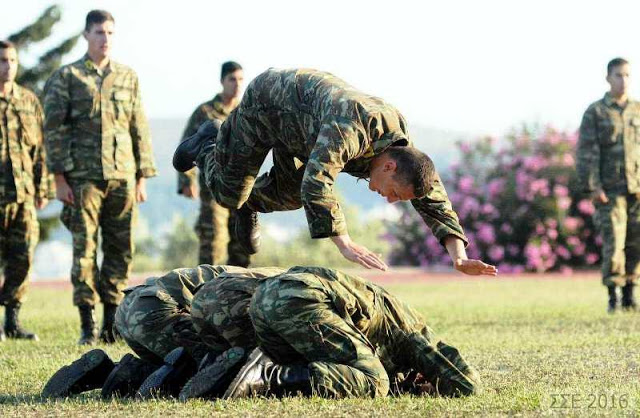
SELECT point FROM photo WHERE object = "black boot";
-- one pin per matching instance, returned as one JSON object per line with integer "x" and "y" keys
{"x": 88, "y": 332}
{"x": 186, "y": 155}
{"x": 12, "y": 326}
{"x": 246, "y": 229}
{"x": 88, "y": 372}
{"x": 127, "y": 376}
{"x": 178, "y": 367}
{"x": 109, "y": 334}
{"x": 261, "y": 377}
{"x": 628, "y": 300}
{"x": 214, "y": 376}
{"x": 613, "y": 299}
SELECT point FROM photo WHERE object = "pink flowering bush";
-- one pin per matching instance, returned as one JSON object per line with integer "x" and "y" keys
{"x": 518, "y": 203}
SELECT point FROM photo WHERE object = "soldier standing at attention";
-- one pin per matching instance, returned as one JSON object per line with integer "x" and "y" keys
{"x": 608, "y": 165}
{"x": 23, "y": 188}
{"x": 100, "y": 152}
{"x": 213, "y": 221}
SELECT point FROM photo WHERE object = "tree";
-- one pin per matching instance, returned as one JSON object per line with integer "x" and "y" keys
{"x": 35, "y": 76}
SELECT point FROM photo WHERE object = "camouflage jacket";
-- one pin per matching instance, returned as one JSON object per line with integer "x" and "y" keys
{"x": 370, "y": 308}
{"x": 95, "y": 126}
{"x": 213, "y": 109}
{"x": 181, "y": 285}
{"x": 22, "y": 154}
{"x": 332, "y": 127}
{"x": 608, "y": 155}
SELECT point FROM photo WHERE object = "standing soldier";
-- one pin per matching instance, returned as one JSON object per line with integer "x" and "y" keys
{"x": 608, "y": 165}
{"x": 213, "y": 221}
{"x": 100, "y": 152}
{"x": 23, "y": 188}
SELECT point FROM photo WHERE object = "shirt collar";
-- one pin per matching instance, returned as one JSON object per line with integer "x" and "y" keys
{"x": 608, "y": 100}
{"x": 15, "y": 93}
{"x": 91, "y": 66}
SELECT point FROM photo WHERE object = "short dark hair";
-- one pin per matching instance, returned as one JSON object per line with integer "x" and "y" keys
{"x": 413, "y": 167}
{"x": 7, "y": 45}
{"x": 97, "y": 17}
{"x": 228, "y": 68}
{"x": 616, "y": 62}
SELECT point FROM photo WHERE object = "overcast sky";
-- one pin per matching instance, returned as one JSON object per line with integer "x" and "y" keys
{"x": 477, "y": 67}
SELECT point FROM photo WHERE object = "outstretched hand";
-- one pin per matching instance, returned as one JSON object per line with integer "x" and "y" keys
{"x": 358, "y": 253}
{"x": 475, "y": 267}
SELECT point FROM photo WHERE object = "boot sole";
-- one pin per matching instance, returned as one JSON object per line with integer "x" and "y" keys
{"x": 153, "y": 385}
{"x": 68, "y": 380}
{"x": 254, "y": 358}
{"x": 205, "y": 381}
{"x": 127, "y": 384}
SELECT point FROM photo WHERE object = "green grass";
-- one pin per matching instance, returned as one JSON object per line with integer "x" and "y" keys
{"x": 532, "y": 340}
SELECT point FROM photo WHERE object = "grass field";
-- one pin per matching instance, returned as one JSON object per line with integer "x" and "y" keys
{"x": 541, "y": 346}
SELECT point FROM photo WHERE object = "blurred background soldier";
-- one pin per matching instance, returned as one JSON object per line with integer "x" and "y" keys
{"x": 212, "y": 226}
{"x": 23, "y": 187}
{"x": 608, "y": 165}
{"x": 100, "y": 152}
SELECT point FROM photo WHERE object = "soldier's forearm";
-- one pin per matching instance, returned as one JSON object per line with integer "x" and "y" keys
{"x": 455, "y": 248}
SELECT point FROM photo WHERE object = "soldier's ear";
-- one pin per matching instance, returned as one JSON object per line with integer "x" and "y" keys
{"x": 390, "y": 165}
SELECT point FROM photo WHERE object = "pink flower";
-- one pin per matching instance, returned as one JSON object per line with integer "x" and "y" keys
{"x": 552, "y": 234}
{"x": 566, "y": 271}
{"x": 586, "y": 207}
{"x": 496, "y": 253}
{"x": 563, "y": 252}
{"x": 486, "y": 233}
{"x": 465, "y": 148}
{"x": 506, "y": 228}
{"x": 540, "y": 186}
{"x": 513, "y": 250}
{"x": 572, "y": 223}
{"x": 591, "y": 258}
{"x": 495, "y": 187}
{"x": 568, "y": 160}
{"x": 563, "y": 203}
{"x": 560, "y": 191}
{"x": 465, "y": 184}
{"x": 573, "y": 241}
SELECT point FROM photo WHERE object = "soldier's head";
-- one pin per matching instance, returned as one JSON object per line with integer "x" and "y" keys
{"x": 618, "y": 76}
{"x": 98, "y": 31}
{"x": 8, "y": 62}
{"x": 232, "y": 79}
{"x": 402, "y": 173}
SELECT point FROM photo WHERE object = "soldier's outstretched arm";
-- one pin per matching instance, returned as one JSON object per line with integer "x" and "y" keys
{"x": 455, "y": 248}
{"x": 339, "y": 141}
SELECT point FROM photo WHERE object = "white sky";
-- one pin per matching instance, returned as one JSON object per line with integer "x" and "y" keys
{"x": 476, "y": 67}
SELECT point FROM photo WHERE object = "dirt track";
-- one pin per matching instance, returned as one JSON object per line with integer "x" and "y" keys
{"x": 400, "y": 275}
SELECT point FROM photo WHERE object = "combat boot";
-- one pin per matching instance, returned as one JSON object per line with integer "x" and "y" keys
{"x": 127, "y": 376}
{"x": 88, "y": 331}
{"x": 213, "y": 377}
{"x": 613, "y": 299}
{"x": 202, "y": 142}
{"x": 12, "y": 326}
{"x": 628, "y": 300}
{"x": 246, "y": 229}
{"x": 261, "y": 377}
{"x": 88, "y": 372}
{"x": 167, "y": 380}
{"x": 109, "y": 334}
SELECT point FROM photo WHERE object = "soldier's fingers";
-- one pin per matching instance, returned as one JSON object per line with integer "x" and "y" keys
{"x": 376, "y": 262}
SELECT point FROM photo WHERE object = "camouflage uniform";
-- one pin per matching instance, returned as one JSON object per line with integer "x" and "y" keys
{"x": 212, "y": 226}
{"x": 317, "y": 126}
{"x": 608, "y": 158}
{"x": 353, "y": 334}
{"x": 155, "y": 318}
{"x": 23, "y": 179}
{"x": 97, "y": 136}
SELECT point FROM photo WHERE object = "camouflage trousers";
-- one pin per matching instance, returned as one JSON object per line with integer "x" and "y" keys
{"x": 232, "y": 167}
{"x": 153, "y": 324}
{"x": 19, "y": 233}
{"x": 298, "y": 323}
{"x": 618, "y": 222}
{"x": 214, "y": 234}
{"x": 108, "y": 206}
{"x": 220, "y": 313}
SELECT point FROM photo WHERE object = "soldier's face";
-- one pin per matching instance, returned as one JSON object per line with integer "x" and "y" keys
{"x": 383, "y": 182}
{"x": 618, "y": 79}
{"x": 232, "y": 84}
{"x": 8, "y": 65}
{"x": 99, "y": 39}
